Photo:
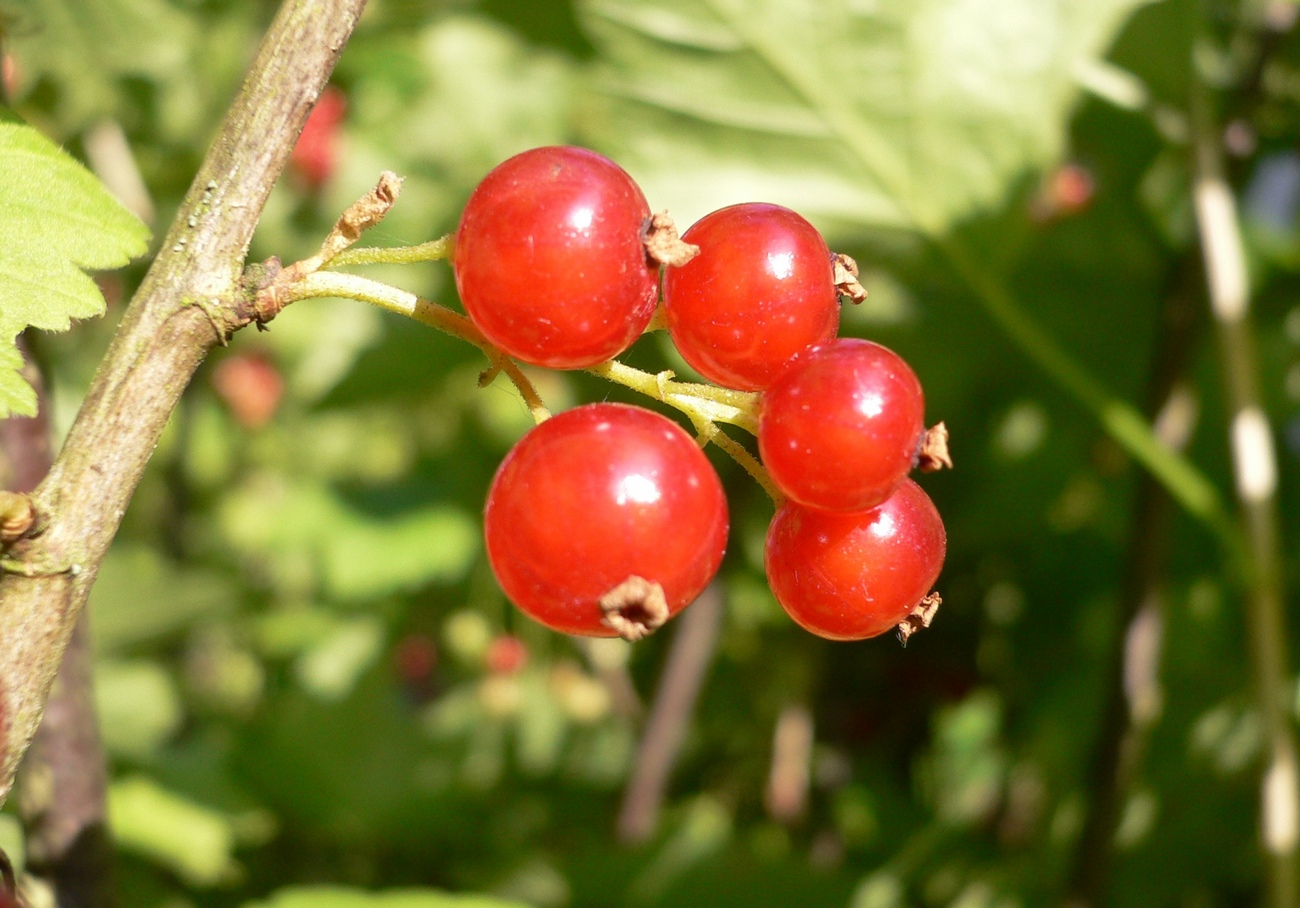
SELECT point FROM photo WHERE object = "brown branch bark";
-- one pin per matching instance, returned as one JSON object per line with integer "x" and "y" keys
{"x": 188, "y": 302}
{"x": 65, "y": 775}
{"x": 683, "y": 676}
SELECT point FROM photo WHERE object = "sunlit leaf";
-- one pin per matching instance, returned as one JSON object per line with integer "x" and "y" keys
{"x": 56, "y": 222}
{"x": 890, "y": 113}
{"x": 188, "y": 838}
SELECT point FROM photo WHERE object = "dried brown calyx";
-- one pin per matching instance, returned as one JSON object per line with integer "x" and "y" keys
{"x": 665, "y": 245}
{"x": 634, "y": 609}
{"x": 846, "y": 277}
{"x": 933, "y": 454}
{"x": 921, "y": 617}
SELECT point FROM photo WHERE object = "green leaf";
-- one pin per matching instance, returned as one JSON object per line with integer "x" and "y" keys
{"x": 56, "y": 221}
{"x": 894, "y": 113}
{"x": 193, "y": 840}
{"x": 339, "y": 897}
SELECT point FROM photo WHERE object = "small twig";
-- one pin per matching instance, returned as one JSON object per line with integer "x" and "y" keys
{"x": 359, "y": 217}
{"x": 683, "y": 676}
{"x": 1255, "y": 470}
{"x": 787, "y": 782}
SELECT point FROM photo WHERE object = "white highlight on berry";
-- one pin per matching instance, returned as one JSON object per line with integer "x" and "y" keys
{"x": 1252, "y": 455}
{"x": 883, "y": 526}
{"x": 1280, "y": 792}
{"x": 637, "y": 489}
{"x": 780, "y": 264}
{"x": 871, "y": 405}
{"x": 581, "y": 219}
{"x": 1225, "y": 256}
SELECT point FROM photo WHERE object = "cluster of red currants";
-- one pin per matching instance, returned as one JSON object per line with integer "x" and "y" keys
{"x": 608, "y": 519}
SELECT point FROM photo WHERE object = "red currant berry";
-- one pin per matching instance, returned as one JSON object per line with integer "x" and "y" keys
{"x": 840, "y": 428}
{"x": 605, "y": 520}
{"x": 550, "y": 261}
{"x": 853, "y": 576}
{"x": 761, "y": 290}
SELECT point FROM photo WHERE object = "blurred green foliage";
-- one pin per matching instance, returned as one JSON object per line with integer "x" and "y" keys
{"x": 293, "y": 626}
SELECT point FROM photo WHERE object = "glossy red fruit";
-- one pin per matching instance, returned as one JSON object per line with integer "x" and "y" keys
{"x": 840, "y": 428}
{"x": 853, "y": 576}
{"x": 550, "y": 262}
{"x": 761, "y": 290}
{"x": 595, "y": 496}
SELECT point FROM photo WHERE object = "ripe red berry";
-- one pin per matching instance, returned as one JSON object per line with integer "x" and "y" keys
{"x": 596, "y": 507}
{"x": 761, "y": 290}
{"x": 853, "y": 576}
{"x": 550, "y": 261}
{"x": 839, "y": 429}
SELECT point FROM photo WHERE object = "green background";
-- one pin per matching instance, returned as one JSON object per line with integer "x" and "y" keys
{"x": 291, "y": 627}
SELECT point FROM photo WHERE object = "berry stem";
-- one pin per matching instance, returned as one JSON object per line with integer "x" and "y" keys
{"x": 697, "y": 401}
{"x": 427, "y": 312}
{"x": 709, "y": 432}
{"x": 432, "y": 251}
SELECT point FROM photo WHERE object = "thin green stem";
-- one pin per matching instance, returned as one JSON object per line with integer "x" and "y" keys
{"x": 427, "y": 312}
{"x": 711, "y": 433}
{"x": 433, "y": 251}
{"x": 1255, "y": 471}
{"x": 697, "y": 401}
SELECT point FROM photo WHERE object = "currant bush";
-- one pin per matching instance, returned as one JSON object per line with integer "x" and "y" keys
{"x": 849, "y": 576}
{"x": 841, "y": 427}
{"x": 761, "y": 290}
{"x": 550, "y": 260}
{"x": 605, "y": 520}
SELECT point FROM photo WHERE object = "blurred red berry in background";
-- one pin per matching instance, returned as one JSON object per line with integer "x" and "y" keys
{"x": 315, "y": 157}
{"x": 506, "y": 655}
{"x": 251, "y": 386}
